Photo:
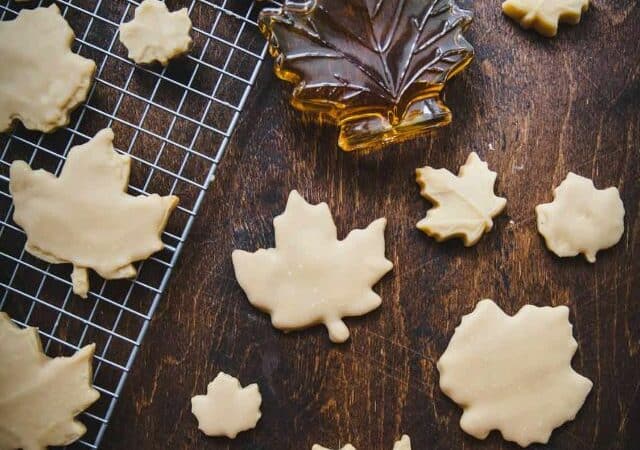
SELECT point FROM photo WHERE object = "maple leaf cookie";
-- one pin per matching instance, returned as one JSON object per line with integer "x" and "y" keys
{"x": 311, "y": 277}
{"x": 40, "y": 396}
{"x": 513, "y": 373}
{"x": 581, "y": 218}
{"x": 544, "y": 15}
{"x": 228, "y": 408}
{"x": 155, "y": 34}
{"x": 85, "y": 216}
{"x": 41, "y": 79}
{"x": 402, "y": 444}
{"x": 464, "y": 205}
{"x": 320, "y": 447}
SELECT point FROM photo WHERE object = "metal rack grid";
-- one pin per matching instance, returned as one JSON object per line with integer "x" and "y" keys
{"x": 175, "y": 123}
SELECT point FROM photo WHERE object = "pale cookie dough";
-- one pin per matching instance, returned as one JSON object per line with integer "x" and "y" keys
{"x": 311, "y": 277}
{"x": 544, "y": 15}
{"x": 513, "y": 373}
{"x": 228, "y": 408}
{"x": 320, "y": 447}
{"x": 155, "y": 34}
{"x": 41, "y": 79}
{"x": 581, "y": 218}
{"x": 464, "y": 205}
{"x": 402, "y": 444}
{"x": 40, "y": 396}
{"x": 85, "y": 217}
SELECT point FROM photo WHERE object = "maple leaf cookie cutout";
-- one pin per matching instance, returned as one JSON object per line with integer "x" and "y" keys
{"x": 85, "y": 217}
{"x": 228, "y": 408}
{"x": 464, "y": 205}
{"x": 320, "y": 447}
{"x": 155, "y": 34}
{"x": 544, "y": 15}
{"x": 41, "y": 79}
{"x": 513, "y": 373}
{"x": 581, "y": 218}
{"x": 402, "y": 444}
{"x": 40, "y": 396}
{"x": 311, "y": 277}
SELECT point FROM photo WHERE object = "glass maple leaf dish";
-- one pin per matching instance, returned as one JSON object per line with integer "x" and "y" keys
{"x": 375, "y": 67}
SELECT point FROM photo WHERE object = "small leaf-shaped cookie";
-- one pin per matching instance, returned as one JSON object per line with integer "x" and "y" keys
{"x": 465, "y": 204}
{"x": 85, "y": 217}
{"x": 402, "y": 444}
{"x": 513, "y": 373}
{"x": 320, "y": 447}
{"x": 311, "y": 277}
{"x": 155, "y": 34}
{"x": 40, "y": 396}
{"x": 228, "y": 408}
{"x": 581, "y": 218}
{"x": 544, "y": 15}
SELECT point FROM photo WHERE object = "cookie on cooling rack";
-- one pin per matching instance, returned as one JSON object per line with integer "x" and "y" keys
{"x": 155, "y": 34}
{"x": 85, "y": 217}
{"x": 52, "y": 391}
{"x": 41, "y": 79}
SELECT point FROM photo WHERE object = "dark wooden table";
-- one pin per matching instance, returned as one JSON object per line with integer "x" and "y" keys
{"x": 535, "y": 109}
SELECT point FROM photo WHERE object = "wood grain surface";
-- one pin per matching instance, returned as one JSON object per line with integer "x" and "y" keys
{"x": 535, "y": 109}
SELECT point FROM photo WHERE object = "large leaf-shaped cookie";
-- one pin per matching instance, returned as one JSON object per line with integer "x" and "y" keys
{"x": 40, "y": 396}
{"x": 85, "y": 217}
{"x": 41, "y": 79}
{"x": 311, "y": 277}
{"x": 513, "y": 373}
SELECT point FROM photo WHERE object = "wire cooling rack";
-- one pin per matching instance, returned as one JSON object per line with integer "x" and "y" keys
{"x": 175, "y": 123}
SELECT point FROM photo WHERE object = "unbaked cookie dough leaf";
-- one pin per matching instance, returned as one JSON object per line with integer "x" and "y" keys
{"x": 544, "y": 15}
{"x": 402, "y": 444}
{"x": 513, "y": 373}
{"x": 40, "y": 396}
{"x": 155, "y": 34}
{"x": 581, "y": 218}
{"x": 85, "y": 217}
{"x": 464, "y": 205}
{"x": 311, "y": 277}
{"x": 41, "y": 79}
{"x": 320, "y": 447}
{"x": 228, "y": 408}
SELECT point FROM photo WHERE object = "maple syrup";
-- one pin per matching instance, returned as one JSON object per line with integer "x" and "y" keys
{"x": 376, "y": 69}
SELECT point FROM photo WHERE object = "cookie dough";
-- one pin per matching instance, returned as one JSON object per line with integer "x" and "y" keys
{"x": 155, "y": 34}
{"x": 320, "y": 447}
{"x": 228, "y": 408}
{"x": 402, "y": 444}
{"x": 464, "y": 205}
{"x": 40, "y": 396}
{"x": 85, "y": 217}
{"x": 544, "y": 15}
{"x": 581, "y": 218}
{"x": 41, "y": 79}
{"x": 311, "y": 277}
{"x": 513, "y": 373}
